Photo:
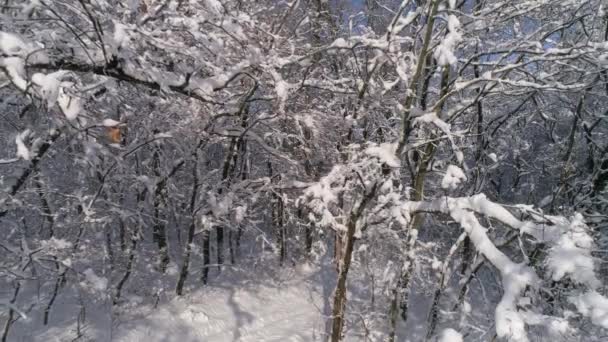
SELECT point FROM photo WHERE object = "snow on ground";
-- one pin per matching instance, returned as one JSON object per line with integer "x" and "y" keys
{"x": 231, "y": 312}
{"x": 237, "y": 305}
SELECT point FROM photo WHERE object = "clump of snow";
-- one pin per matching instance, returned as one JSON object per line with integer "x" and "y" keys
{"x": 556, "y": 326}
{"x": 97, "y": 283}
{"x": 48, "y": 86}
{"x": 163, "y": 135}
{"x": 14, "y": 69}
{"x": 592, "y": 305}
{"x": 450, "y": 335}
{"x": 453, "y": 177}
{"x": 220, "y": 207}
{"x": 22, "y": 150}
{"x": 110, "y": 123}
{"x": 210, "y": 84}
{"x": 340, "y": 43}
{"x": 10, "y": 44}
{"x": 436, "y": 264}
{"x": 214, "y": 6}
{"x": 466, "y": 307}
{"x": 305, "y": 268}
{"x": 319, "y": 197}
{"x": 403, "y": 70}
{"x": 172, "y": 269}
{"x": 510, "y": 322}
{"x": 70, "y": 106}
{"x": 322, "y": 189}
{"x": 239, "y": 213}
{"x": 15, "y": 51}
{"x": 56, "y": 244}
{"x": 121, "y": 35}
{"x": 52, "y": 89}
{"x": 444, "y": 53}
{"x": 385, "y": 152}
{"x": 571, "y": 254}
{"x": 282, "y": 88}
{"x": 445, "y": 127}
{"x": 435, "y": 120}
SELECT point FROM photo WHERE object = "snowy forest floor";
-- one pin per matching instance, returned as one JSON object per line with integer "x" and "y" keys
{"x": 253, "y": 300}
{"x": 234, "y": 307}
{"x": 242, "y": 303}
{"x": 237, "y": 305}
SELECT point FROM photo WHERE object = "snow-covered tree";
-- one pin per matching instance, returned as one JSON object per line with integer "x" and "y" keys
{"x": 443, "y": 161}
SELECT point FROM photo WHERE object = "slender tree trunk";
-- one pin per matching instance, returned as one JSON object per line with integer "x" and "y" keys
{"x": 339, "y": 302}
{"x": 244, "y": 175}
{"x": 393, "y": 313}
{"x": 128, "y": 271}
{"x": 277, "y": 219}
{"x": 10, "y": 319}
{"x": 46, "y": 208}
{"x": 219, "y": 230}
{"x": 340, "y": 292}
{"x": 206, "y": 257}
{"x": 159, "y": 234}
{"x": 433, "y": 316}
{"x": 419, "y": 181}
{"x": 186, "y": 262}
{"x": 308, "y": 238}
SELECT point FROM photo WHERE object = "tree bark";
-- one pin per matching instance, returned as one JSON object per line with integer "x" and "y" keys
{"x": 339, "y": 302}
{"x": 186, "y": 262}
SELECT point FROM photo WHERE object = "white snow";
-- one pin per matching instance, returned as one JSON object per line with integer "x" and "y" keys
{"x": 214, "y": 6}
{"x": 453, "y": 177}
{"x": 22, "y": 151}
{"x": 51, "y": 89}
{"x": 210, "y": 84}
{"x": 15, "y": 71}
{"x": 444, "y": 53}
{"x": 239, "y": 213}
{"x": 516, "y": 277}
{"x": 16, "y": 50}
{"x": 450, "y": 335}
{"x": 281, "y": 88}
{"x": 10, "y": 44}
{"x": 493, "y": 157}
{"x": 220, "y": 207}
{"x": 386, "y": 152}
{"x": 571, "y": 255}
{"x": 340, "y": 43}
{"x": 48, "y": 86}
{"x": 594, "y": 306}
{"x": 110, "y": 123}
{"x": 97, "y": 283}
{"x": 56, "y": 244}
{"x": 435, "y": 120}
{"x": 322, "y": 189}
{"x": 121, "y": 35}
{"x": 237, "y": 311}
{"x": 69, "y": 106}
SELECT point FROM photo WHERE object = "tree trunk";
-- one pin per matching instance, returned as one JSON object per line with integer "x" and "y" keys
{"x": 159, "y": 234}
{"x": 206, "y": 257}
{"x": 129, "y": 270}
{"x": 340, "y": 291}
{"x": 188, "y": 249}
